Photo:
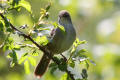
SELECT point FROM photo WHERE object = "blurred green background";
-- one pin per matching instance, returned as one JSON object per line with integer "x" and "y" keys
{"x": 97, "y": 21}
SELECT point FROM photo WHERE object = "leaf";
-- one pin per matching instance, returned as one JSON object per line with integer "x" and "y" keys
{"x": 62, "y": 66}
{"x": 23, "y": 58}
{"x": 13, "y": 55}
{"x": 57, "y": 59}
{"x": 25, "y": 54}
{"x": 32, "y": 61}
{"x": 82, "y": 42}
{"x": 42, "y": 40}
{"x": 62, "y": 29}
{"x": 7, "y": 24}
{"x": 64, "y": 77}
{"x": 5, "y": 47}
{"x": 48, "y": 6}
{"x": 79, "y": 53}
{"x": 59, "y": 26}
{"x": 72, "y": 64}
{"x": 82, "y": 51}
{"x": 87, "y": 65}
{"x": 12, "y": 64}
{"x": 2, "y": 26}
{"x": 55, "y": 24}
{"x": 26, "y": 67}
{"x": 26, "y": 5}
{"x": 17, "y": 4}
{"x": 53, "y": 67}
{"x": 17, "y": 47}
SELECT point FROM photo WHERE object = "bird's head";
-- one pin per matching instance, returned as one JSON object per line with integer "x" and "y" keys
{"x": 64, "y": 17}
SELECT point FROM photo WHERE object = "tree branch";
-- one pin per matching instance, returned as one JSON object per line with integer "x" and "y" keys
{"x": 40, "y": 47}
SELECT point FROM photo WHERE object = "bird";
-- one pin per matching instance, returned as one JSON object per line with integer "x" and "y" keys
{"x": 59, "y": 41}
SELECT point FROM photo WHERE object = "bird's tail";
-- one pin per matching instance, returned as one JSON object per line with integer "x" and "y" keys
{"x": 42, "y": 66}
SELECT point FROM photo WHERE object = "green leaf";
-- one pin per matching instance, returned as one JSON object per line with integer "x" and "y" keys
{"x": 42, "y": 40}
{"x": 13, "y": 55}
{"x": 48, "y": 6}
{"x": 82, "y": 51}
{"x": 55, "y": 24}
{"x": 56, "y": 59}
{"x": 25, "y": 54}
{"x": 17, "y": 47}
{"x": 82, "y": 42}
{"x": 1, "y": 26}
{"x": 53, "y": 67}
{"x": 17, "y": 4}
{"x": 87, "y": 64}
{"x": 32, "y": 61}
{"x": 7, "y": 24}
{"x": 5, "y": 48}
{"x": 79, "y": 53}
{"x": 62, "y": 66}
{"x": 12, "y": 64}
{"x": 26, "y": 67}
{"x": 72, "y": 64}
{"x": 64, "y": 77}
{"x": 59, "y": 26}
{"x": 23, "y": 58}
{"x": 26, "y": 5}
{"x": 62, "y": 29}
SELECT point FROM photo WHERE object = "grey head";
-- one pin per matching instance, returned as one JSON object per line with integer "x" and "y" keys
{"x": 64, "y": 17}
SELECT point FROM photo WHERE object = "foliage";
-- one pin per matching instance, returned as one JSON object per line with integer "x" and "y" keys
{"x": 27, "y": 58}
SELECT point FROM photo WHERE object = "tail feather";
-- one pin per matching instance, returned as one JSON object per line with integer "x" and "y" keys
{"x": 42, "y": 66}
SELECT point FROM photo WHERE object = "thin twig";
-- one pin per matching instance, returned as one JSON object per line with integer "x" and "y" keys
{"x": 40, "y": 47}
{"x": 64, "y": 57}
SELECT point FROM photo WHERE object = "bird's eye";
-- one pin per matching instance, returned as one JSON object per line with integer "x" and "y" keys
{"x": 65, "y": 15}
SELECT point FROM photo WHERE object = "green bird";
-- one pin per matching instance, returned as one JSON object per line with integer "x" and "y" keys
{"x": 59, "y": 41}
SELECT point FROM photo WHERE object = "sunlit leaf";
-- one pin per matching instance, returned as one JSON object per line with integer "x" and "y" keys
{"x": 32, "y": 61}
{"x": 16, "y": 47}
{"x": 72, "y": 64}
{"x": 23, "y": 58}
{"x": 82, "y": 42}
{"x": 42, "y": 40}
{"x": 26, "y": 5}
{"x": 26, "y": 67}
{"x": 64, "y": 77}
{"x": 12, "y": 64}
{"x": 62, "y": 29}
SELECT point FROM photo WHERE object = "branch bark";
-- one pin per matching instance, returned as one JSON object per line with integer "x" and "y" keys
{"x": 40, "y": 47}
